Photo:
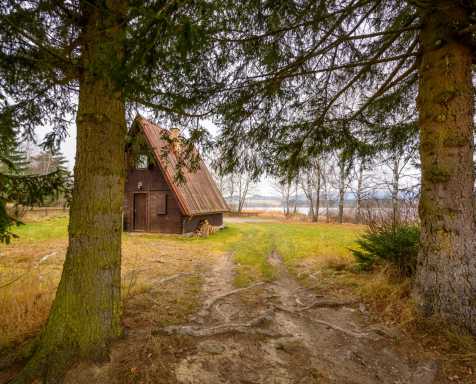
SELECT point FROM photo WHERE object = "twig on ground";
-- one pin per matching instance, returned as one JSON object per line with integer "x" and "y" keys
{"x": 13, "y": 281}
{"x": 170, "y": 278}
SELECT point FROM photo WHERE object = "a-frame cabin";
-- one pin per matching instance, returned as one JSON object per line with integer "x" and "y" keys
{"x": 154, "y": 200}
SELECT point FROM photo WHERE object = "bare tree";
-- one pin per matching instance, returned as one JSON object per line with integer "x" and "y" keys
{"x": 362, "y": 190}
{"x": 311, "y": 182}
{"x": 283, "y": 187}
{"x": 399, "y": 176}
{"x": 344, "y": 163}
{"x": 243, "y": 188}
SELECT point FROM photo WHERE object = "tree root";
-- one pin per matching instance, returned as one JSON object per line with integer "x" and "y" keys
{"x": 322, "y": 322}
{"x": 19, "y": 354}
{"x": 326, "y": 304}
{"x": 247, "y": 327}
{"x": 210, "y": 302}
{"x": 342, "y": 330}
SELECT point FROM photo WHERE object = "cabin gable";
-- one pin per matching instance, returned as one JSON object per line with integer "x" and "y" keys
{"x": 154, "y": 202}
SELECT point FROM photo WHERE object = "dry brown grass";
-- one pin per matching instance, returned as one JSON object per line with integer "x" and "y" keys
{"x": 388, "y": 300}
{"x": 30, "y": 269}
{"x": 29, "y": 275}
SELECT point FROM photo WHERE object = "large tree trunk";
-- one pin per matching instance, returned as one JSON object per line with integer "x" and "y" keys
{"x": 446, "y": 273}
{"x": 86, "y": 312}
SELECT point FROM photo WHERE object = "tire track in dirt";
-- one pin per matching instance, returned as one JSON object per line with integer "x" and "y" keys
{"x": 280, "y": 338}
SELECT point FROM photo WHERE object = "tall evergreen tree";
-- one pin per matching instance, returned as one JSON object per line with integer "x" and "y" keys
{"x": 19, "y": 187}
{"x": 94, "y": 60}
{"x": 306, "y": 72}
{"x": 49, "y": 161}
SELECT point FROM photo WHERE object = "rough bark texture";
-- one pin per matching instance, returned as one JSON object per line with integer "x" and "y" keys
{"x": 86, "y": 312}
{"x": 446, "y": 273}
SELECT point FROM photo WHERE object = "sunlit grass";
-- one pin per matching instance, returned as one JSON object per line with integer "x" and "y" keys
{"x": 315, "y": 242}
{"x": 53, "y": 227}
{"x": 250, "y": 253}
{"x": 302, "y": 246}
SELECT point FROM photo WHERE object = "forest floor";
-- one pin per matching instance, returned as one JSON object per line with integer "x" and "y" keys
{"x": 258, "y": 302}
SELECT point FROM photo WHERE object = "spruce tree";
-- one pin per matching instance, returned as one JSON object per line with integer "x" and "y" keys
{"x": 94, "y": 61}
{"x": 20, "y": 188}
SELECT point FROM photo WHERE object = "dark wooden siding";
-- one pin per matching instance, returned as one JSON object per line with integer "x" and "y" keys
{"x": 168, "y": 223}
{"x": 151, "y": 179}
{"x": 191, "y": 223}
{"x": 153, "y": 184}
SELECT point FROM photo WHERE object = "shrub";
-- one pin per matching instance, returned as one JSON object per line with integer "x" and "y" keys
{"x": 397, "y": 245}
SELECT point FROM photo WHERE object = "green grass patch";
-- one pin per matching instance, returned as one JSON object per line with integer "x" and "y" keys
{"x": 49, "y": 228}
{"x": 250, "y": 253}
{"x": 320, "y": 242}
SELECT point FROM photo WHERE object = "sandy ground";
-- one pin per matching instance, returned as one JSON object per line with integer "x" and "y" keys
{"x": 295, "y": 337}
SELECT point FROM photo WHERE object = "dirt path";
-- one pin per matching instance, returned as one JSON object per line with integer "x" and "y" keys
{"x": 281, "y": 333}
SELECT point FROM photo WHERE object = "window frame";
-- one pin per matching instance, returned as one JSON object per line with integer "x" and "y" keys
{"x": 141, "y": 159}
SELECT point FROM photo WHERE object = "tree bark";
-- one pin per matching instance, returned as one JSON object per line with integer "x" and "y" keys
{"x": 446, "y": 272}
{"x": 85, "y": 316}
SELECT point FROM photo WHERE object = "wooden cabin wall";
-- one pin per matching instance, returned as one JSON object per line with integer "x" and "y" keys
{"x": 191, "y": 223}
{"x": 153, "y": 184}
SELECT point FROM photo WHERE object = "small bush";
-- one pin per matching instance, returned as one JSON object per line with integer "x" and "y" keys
{"x": 397, "y": 245}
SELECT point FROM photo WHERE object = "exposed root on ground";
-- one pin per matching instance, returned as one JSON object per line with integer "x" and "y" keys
{"x": 212, "y": 301}
{"x": 318, "y": 321}
{"x": 326, "y": 304}
{"x": 246, "y": 327}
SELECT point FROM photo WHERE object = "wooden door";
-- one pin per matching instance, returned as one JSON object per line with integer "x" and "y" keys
{"x": 140, "y": 212}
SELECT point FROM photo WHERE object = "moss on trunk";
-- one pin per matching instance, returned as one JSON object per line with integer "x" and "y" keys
{"x": 86, "y": 312}
{"x": 446, "y": 273}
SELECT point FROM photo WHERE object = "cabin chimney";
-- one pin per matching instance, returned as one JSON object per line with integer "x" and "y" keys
{"x": 175, "y": 140}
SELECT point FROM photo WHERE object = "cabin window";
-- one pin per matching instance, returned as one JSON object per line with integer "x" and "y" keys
{"x": 142, "y": 161}
{"x": 158, "y": 203}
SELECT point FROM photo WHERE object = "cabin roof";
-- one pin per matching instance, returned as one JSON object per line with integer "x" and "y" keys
{"x": 197, "y": 194}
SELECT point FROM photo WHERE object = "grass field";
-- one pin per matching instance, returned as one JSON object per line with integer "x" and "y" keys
{"x": 317, "y": 254}
{"x": 30, "y": 267}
